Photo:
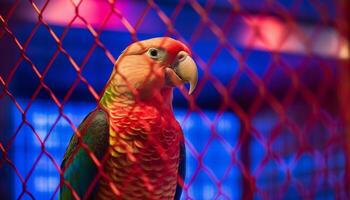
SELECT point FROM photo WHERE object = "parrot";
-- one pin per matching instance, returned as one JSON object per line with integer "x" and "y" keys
{"x": 131, "y": 146}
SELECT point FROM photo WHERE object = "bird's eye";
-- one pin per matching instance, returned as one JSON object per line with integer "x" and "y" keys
{"x": 154, "y": 53}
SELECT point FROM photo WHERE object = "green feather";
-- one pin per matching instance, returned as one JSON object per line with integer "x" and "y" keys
{"x": 80, "y": 170}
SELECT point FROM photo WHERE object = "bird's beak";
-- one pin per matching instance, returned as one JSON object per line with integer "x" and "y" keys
{"x": 185, "y": 71}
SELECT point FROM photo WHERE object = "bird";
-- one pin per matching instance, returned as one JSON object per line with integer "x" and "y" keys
{"x": 131, "y": 146}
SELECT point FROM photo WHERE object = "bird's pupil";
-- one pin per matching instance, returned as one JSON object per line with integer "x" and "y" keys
{"x": 154, "y": 52}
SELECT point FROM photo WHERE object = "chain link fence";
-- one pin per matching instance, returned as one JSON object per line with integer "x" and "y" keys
{"x": 269, "y": 118}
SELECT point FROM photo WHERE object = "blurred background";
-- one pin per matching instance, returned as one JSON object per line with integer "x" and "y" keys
{"x": 269, "y": 119}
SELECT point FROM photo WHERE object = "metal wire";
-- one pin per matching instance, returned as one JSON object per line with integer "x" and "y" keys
{"x": 314, "y": 113}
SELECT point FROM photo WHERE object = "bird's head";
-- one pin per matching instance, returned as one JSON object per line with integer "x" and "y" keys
{"x": 150, "y": 67}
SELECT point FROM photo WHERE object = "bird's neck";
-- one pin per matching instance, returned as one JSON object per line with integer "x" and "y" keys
{"x": 160, "y": 99}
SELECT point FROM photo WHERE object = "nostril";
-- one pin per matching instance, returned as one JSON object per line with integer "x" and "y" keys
{"x": 181, "y": 56}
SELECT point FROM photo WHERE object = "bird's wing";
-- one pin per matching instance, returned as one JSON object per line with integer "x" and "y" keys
{"x": 181, "y": 169}
{"x": 79, "y": 168}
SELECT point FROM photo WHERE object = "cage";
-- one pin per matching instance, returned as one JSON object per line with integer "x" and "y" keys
{"x": 269, "y": 118}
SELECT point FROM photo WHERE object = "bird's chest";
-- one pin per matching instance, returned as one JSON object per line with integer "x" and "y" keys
{"x": 143, "y": 130}
{"x": 144, "y": 146}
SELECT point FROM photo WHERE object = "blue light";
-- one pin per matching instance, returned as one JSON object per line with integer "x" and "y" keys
{"x": 44, "y": 179}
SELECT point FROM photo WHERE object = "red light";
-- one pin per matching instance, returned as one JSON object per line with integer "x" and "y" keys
{"x": 271, "y": 34}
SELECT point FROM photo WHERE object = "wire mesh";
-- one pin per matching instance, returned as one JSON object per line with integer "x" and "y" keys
{"x": 281, "y": 67}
